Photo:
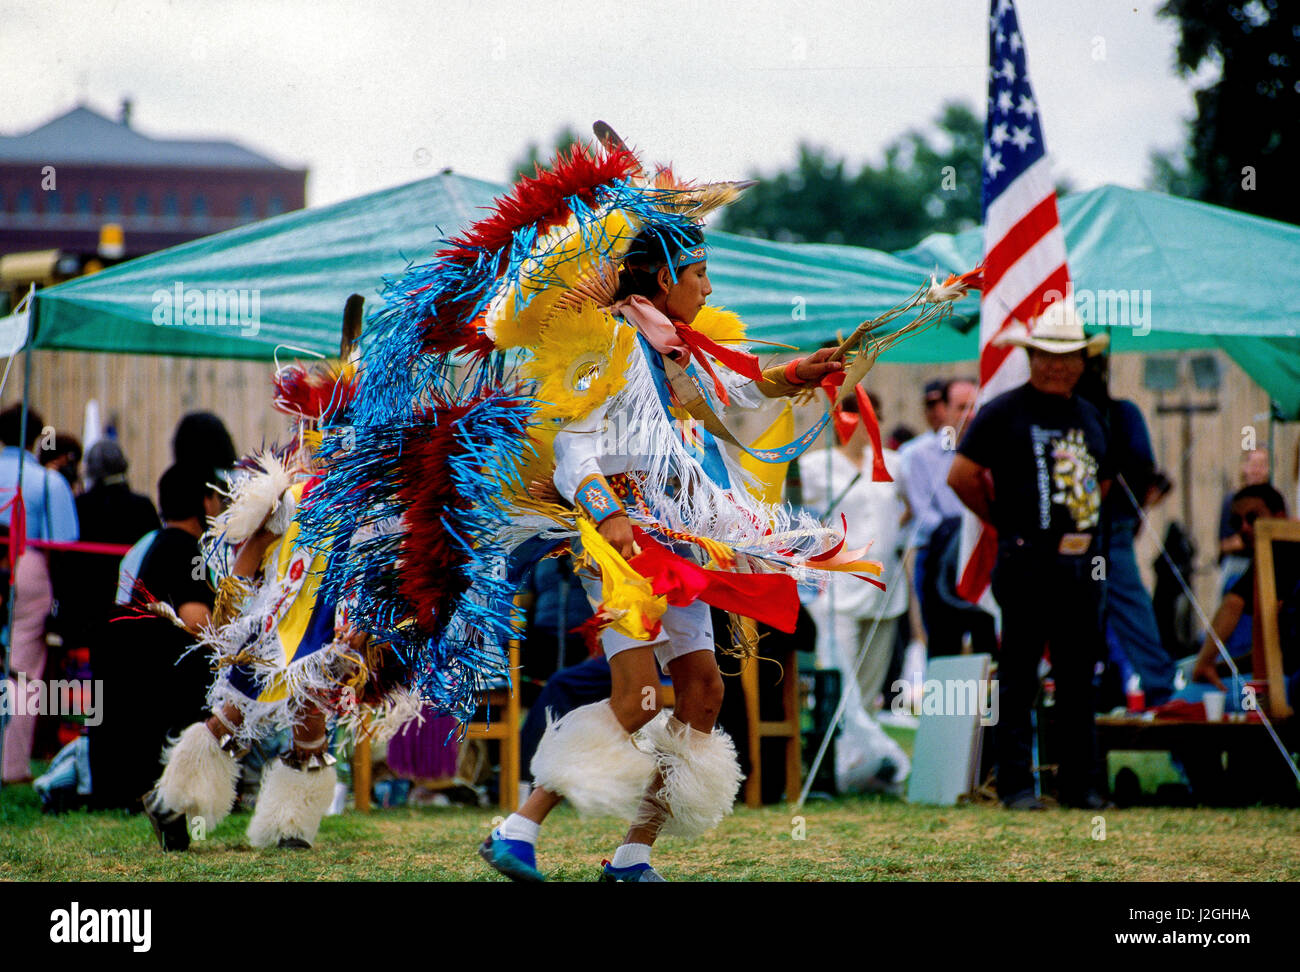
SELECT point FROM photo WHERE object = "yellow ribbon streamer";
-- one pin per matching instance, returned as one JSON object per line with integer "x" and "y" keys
{"x": 625, "y": 596}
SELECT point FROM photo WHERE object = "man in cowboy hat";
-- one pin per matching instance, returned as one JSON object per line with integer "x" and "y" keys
{"x": 1033, "y": 464}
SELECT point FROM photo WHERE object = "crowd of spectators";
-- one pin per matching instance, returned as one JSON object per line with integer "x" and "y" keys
{"x": 1063, "y": 470}
{"x": 74, "y": 601}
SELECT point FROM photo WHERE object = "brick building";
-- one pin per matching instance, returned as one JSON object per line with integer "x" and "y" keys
{"x": 62, "y": 181}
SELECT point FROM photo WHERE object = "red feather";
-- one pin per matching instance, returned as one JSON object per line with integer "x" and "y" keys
{"x": 426, "y": 574}
{"x": 315, "y": 393}
{"x": 428, "y": 577}
{"x": 541, "y": 200}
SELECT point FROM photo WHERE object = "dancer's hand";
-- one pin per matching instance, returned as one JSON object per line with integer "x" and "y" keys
{"x": 545, "y": 491}
{"x": 617, "y": 531}
{"x": 815, "y": 367}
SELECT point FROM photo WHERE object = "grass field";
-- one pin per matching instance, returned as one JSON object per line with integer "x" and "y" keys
{"x": 848, "y": 839}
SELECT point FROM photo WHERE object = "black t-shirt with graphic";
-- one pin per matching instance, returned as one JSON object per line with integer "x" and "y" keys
{"x": 1047, "y": 455}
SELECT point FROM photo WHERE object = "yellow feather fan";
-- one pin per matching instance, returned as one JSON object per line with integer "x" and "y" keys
{"x": 721, "y": 325}
{"x": 579, "y": 361}
{"x": 517, "y": 318}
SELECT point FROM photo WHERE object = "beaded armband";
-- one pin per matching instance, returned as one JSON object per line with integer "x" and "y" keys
{"x": 597, "y": 499}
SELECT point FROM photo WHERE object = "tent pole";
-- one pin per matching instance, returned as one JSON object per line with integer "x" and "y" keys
{"x": 11, "y": 689}
{"x": 1274, "y": 410}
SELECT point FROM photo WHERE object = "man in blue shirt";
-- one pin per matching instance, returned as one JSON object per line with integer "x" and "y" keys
{"x": 51, "y": 514}
{"x": 925, "y": 463}
{"x": 1132, "y": 633}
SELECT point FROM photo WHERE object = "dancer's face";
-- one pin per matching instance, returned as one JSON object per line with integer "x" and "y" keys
{"x": 684, "y": 298}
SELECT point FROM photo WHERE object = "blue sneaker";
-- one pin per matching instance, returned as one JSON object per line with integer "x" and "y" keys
{"x": 516, "y": 859}
{"x": 636, "y": 872}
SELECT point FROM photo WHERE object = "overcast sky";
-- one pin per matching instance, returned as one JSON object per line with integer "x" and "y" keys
{"x": 370, "y": 96}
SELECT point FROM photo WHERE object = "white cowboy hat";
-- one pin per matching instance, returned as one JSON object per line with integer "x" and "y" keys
{"x": 1057, "y": 330}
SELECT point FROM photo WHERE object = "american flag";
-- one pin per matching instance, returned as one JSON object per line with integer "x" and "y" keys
{"x": 1024, "y": 248}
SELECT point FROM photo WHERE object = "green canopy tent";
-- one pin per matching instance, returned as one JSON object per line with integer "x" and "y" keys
{"x": 303, "y": 265}
{"x": 1167, "y": 274}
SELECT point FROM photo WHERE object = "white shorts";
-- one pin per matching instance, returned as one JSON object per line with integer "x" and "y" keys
{"x": 685, "y": 629}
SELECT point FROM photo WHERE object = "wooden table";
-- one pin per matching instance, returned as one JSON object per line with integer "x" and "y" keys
{"x": 1127, "y": 732}
{"x": 1256, "y": 771}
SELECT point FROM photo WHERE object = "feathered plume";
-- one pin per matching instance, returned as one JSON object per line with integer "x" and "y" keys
{"x": 257, "y": 491}
{"x": 316, "y": 393}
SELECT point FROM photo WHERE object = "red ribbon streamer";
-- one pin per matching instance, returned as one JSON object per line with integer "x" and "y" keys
{"x": 872, "y": 581}
{"x": 879, "y": 474}
{"x": 741, "y": 362}
{"x": 846, "y": 423}
{"x": 772, "y": 599}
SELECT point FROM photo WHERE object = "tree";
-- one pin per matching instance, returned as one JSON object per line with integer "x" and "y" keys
{"x": 1244, "y": 145}
{"x": 921, "y": 188}
{"x": 532, "y": 157}
{"x": 1170, "y": 173}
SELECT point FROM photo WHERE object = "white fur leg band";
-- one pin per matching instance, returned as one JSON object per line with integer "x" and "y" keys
{"x": 199, "y": 777}
{"x": 701, "y": 776}
{"x": 291, "y": 804}
{"x": 587, "y": 757}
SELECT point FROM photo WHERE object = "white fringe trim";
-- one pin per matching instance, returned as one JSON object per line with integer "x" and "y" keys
{"x": 382, "y": 722}
{"x": 682, "y": 497}
{"x": 307, "y": 684}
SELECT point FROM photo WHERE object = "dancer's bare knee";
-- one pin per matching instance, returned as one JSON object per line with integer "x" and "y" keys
{"x": 634, "y": 710}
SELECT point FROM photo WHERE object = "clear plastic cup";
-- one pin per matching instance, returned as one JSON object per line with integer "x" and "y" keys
{"x": 1214, "y": 705}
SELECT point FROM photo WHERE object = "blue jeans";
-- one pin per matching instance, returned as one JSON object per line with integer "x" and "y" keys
{"x": 1131, "y": 627}
{"x": 70, "y": 769}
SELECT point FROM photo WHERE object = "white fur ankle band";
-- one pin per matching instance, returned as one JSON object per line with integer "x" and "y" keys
{"x": 199, "y": 777}
{"x": 701, "y": 776}
{"x": 588, "y": 758}
{"x": 291, "y": 804}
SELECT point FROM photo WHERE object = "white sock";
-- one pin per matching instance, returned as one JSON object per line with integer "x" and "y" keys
{"x": 520, "y": 828}
{"x": 630, "y": 854}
